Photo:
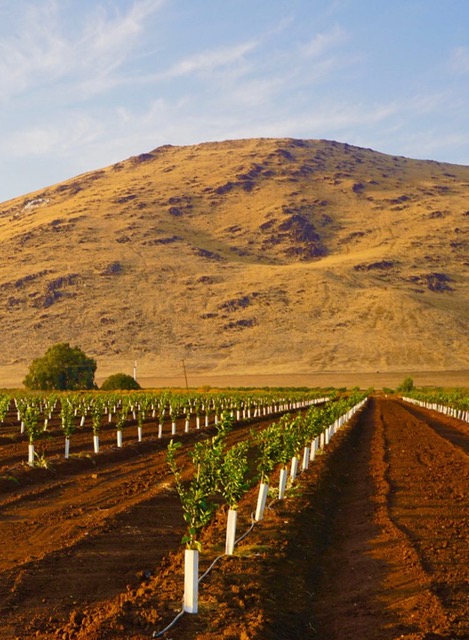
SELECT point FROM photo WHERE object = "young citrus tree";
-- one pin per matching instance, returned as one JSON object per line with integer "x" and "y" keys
{"x": 66, "y": 416}
{"x": 194, "y": 495}
{"x": 31, "y": 425}
{"x": 233, "y": 472}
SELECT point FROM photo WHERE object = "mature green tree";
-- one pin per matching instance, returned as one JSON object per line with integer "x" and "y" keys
{"x": 120, "y": 381}
{"x": 62, "y": 367}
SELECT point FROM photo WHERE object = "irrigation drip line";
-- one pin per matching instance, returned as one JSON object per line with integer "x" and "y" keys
{"x": 253, "y": 522}
{"x": 170, "y": 625}
{"x": 210, "y": 568}
{"x": 158, "y": 634}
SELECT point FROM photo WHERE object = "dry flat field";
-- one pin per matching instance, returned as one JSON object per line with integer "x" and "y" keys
{"x": 372, "y": 543}
{"x": 247, "y": 257}
{"x": 324, "y": 380}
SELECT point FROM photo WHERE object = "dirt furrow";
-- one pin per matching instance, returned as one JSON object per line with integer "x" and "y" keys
{"x": 429, "y": 502}
{"x": 451, "y": 429}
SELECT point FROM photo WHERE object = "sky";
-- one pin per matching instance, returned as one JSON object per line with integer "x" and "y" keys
{"x": 87, "y": 83}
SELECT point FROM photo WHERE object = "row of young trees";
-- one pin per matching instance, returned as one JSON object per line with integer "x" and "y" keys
{"x": 77, "y": 411}
{"x": 220, "y": 471}
{"x": 454, "y": 402}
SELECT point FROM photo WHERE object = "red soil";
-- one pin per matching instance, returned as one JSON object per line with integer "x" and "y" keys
{"x": 371, "y": 542}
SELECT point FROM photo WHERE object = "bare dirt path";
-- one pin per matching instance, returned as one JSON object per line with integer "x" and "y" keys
{"x": 371, "y": 543}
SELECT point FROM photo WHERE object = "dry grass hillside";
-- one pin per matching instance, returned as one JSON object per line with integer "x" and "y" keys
{"x": 266, "y": 256}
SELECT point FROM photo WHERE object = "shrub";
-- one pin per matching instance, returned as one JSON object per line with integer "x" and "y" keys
{"x": 406, "y": 385}
{"x": 120, "y": 381}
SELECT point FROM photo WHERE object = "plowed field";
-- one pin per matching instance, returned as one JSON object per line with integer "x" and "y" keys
{"x": 372, "y": 543}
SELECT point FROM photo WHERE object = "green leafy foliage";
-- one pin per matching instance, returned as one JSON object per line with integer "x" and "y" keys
{"x": 269, "y": 447}
{"x": 194, "y": 496}
{"x": 122, "y": 415}
{"x": 211, "y": 466}
{"x": 4, "y": 405}
{"x": 97, "y": 413}
{"x": 233, "y": 474}
{"x": 63, "y": 368}
{"x": 31, "y": 422}
{"x": 406, "y": 385}
{"x": 120, "y": 381}
{"x": 66, "y": 416}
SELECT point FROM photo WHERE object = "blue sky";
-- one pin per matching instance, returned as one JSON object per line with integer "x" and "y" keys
{"x": 86, "y": 83}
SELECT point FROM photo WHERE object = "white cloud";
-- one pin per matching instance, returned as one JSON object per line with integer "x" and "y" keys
{"x": 326, "y": 118}
{"x": 106, "y": 40}
{"x": 459, "y": 61}
{"x": 62, "y": 138}
{"x": 210, "y": 60}
{"x": 44, "y": 51}
{"x": 35, "y": 50}
{"x": 321, "y": 43}
{"x": 432, "y": 143}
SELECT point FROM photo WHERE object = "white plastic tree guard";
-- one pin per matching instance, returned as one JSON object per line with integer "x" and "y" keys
{"x": 261, "y": 500}
{"x": 173, "y": 428}
{"x": 191, "y": 581}
{"x": 282, "y": 483}
{"x": 231, "y": 531}
{"x": 67, "y": 448}
{"x": 314, "y": 448}
{"x": 31, "y": 455}
{"x": 294, "y": 468}
{"x": 160, "y": 430}
{"x": 305, "y": 462}
{"x": 140, "y": 433}
{"x": 119, "y": 438}
{"x": 96, "y": 443}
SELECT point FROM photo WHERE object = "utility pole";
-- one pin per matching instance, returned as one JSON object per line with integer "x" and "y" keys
{"x": 185, "y": 374}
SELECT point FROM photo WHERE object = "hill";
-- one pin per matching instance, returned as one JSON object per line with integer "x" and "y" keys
{"x": 275, "y": 256}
